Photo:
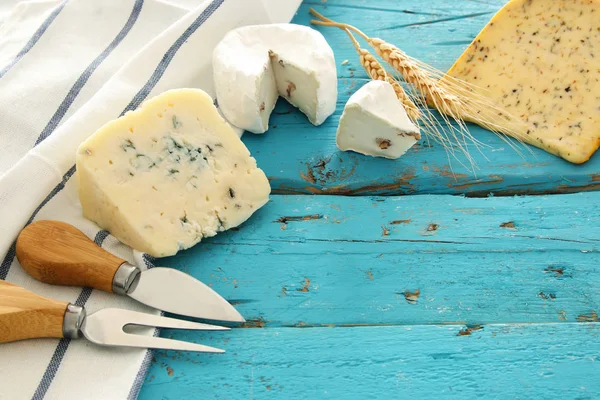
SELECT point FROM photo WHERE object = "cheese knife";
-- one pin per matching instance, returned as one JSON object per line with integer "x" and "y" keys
{"x": 57, "y": 253}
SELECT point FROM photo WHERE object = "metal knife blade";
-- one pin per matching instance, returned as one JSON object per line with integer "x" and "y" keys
{"x": 70, "y": 258}
{"x": 173, "y": 291}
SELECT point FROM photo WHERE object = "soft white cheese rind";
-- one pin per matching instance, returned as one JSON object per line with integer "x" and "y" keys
{"x": 375, "y": 123}
{"x": 252, "y": 65}
{"x": 168, "y": 174}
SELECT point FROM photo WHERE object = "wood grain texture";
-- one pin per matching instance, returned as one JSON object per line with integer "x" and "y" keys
{"x": 25, "y": 315}
{"x": 305, "y": 260}
{"x": 299, "y": 158}
{"x": 422, "y": 272}
{"x": 416, "y": 362}
{"x": 59, "y": 254}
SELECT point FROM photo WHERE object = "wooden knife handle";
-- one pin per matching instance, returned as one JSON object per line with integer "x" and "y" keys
{"x": 25, "y": 315}
{"x": 57, "y": 253}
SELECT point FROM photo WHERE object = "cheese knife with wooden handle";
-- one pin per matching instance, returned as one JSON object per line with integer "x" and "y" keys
{"x": 57, "y": 253}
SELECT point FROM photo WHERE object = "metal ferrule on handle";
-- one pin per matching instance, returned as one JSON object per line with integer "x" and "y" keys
{"x": 74, "y": 317}
{"x": 124, "y": 278}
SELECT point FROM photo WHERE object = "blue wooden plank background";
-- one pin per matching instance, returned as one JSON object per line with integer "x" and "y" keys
{"x": 444, "y": 265}
{"x": 402, "y": 296}
{"x": 412, "y": 362}
{"x": 357, "y": 259}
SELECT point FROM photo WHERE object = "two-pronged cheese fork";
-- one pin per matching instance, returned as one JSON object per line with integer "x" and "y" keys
{"x": 57, "y": 253}
{"x": 25, "y": 315}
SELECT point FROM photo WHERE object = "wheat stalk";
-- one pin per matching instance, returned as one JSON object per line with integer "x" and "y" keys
{"x": 410, "y": 71}
{"x": 452, "y": 97}
{"x": 376, "y": 71}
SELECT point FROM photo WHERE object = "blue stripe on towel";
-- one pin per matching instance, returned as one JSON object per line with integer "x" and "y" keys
{"x": 139, "y": 378}
{"x": 85, "y": 76}
{"x": 170, "y": 54}
{"x": 136, "y": 101}
{"x": 10, "y": 256}
{"x": 8, "y": 259}
{"x": 63, "y": 344}
{"x": 34, "y": 39}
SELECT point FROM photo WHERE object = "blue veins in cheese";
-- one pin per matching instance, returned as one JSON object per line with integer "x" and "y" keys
{"x": 254, "y": 65}
{"x": 165, "y": 176}
{"x": 375, "y": 123}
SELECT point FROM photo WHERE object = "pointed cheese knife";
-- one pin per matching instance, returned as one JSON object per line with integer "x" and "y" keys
{"x": 57, "y": 253}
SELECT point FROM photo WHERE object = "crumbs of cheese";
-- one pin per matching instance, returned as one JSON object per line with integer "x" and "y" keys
{"x": 540, "y": 61}
{"x": 164, "y": 176}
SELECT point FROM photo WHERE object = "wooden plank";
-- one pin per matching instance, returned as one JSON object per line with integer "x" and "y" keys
{"x": 334, "y": 260}
{"x": 460, "y": 297}
{"x": 299, "y": 158}
{"x": 496, "y": 362}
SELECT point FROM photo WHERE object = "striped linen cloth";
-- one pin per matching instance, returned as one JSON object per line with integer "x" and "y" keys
{"x": 66, "y": 68}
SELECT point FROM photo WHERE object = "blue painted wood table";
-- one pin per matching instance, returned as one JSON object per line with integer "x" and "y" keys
{"x": 365, "y": 292}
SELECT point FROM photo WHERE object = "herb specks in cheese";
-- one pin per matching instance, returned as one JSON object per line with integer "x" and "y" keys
{"x": 548, "y": 47}
{"x": 141, "y": 162}
{"x": 231, "y": 193}
{"x": 176, "y": 122}
{"x": 192, "y": 182}
{"x": 127, "y": 145}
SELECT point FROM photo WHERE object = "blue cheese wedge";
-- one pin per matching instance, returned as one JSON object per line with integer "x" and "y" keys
{"x": 168, "y": 174}
{"x": 374, "y": 123}
{"x": 254, "y": 65}
{"x": 540, "y": 61}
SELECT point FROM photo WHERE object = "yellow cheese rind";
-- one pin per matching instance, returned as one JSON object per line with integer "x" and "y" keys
{"x": 540, "y": 61}
{"x": 165, "y": 176}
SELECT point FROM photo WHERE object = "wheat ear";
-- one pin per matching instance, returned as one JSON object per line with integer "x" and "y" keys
{"x": 401, "y": 62}
{"x": 376, "y": 71}
{"x": 447, "y": 96}
{"x": 451, "y": 97}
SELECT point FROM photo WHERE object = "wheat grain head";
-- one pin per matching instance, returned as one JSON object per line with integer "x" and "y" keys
{"x": 455, "y": 99}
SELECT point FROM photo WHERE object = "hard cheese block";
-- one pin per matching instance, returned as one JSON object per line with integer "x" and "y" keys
{"x": 168, "y": 174}
{"x": 254, "y": 65}
{"x": 540, "y": 61}
{"x": 375, "y": 123}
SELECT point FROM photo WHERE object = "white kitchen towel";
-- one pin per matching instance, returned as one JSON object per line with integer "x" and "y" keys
{"x": 66, "y": 68}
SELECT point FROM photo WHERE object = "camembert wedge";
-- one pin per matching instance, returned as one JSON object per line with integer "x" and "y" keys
{"x": 374, "y": 123}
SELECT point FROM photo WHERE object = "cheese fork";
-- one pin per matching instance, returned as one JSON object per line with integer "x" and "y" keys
{"x": 26, "y": 315}
{"x": 57, "y": 253}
